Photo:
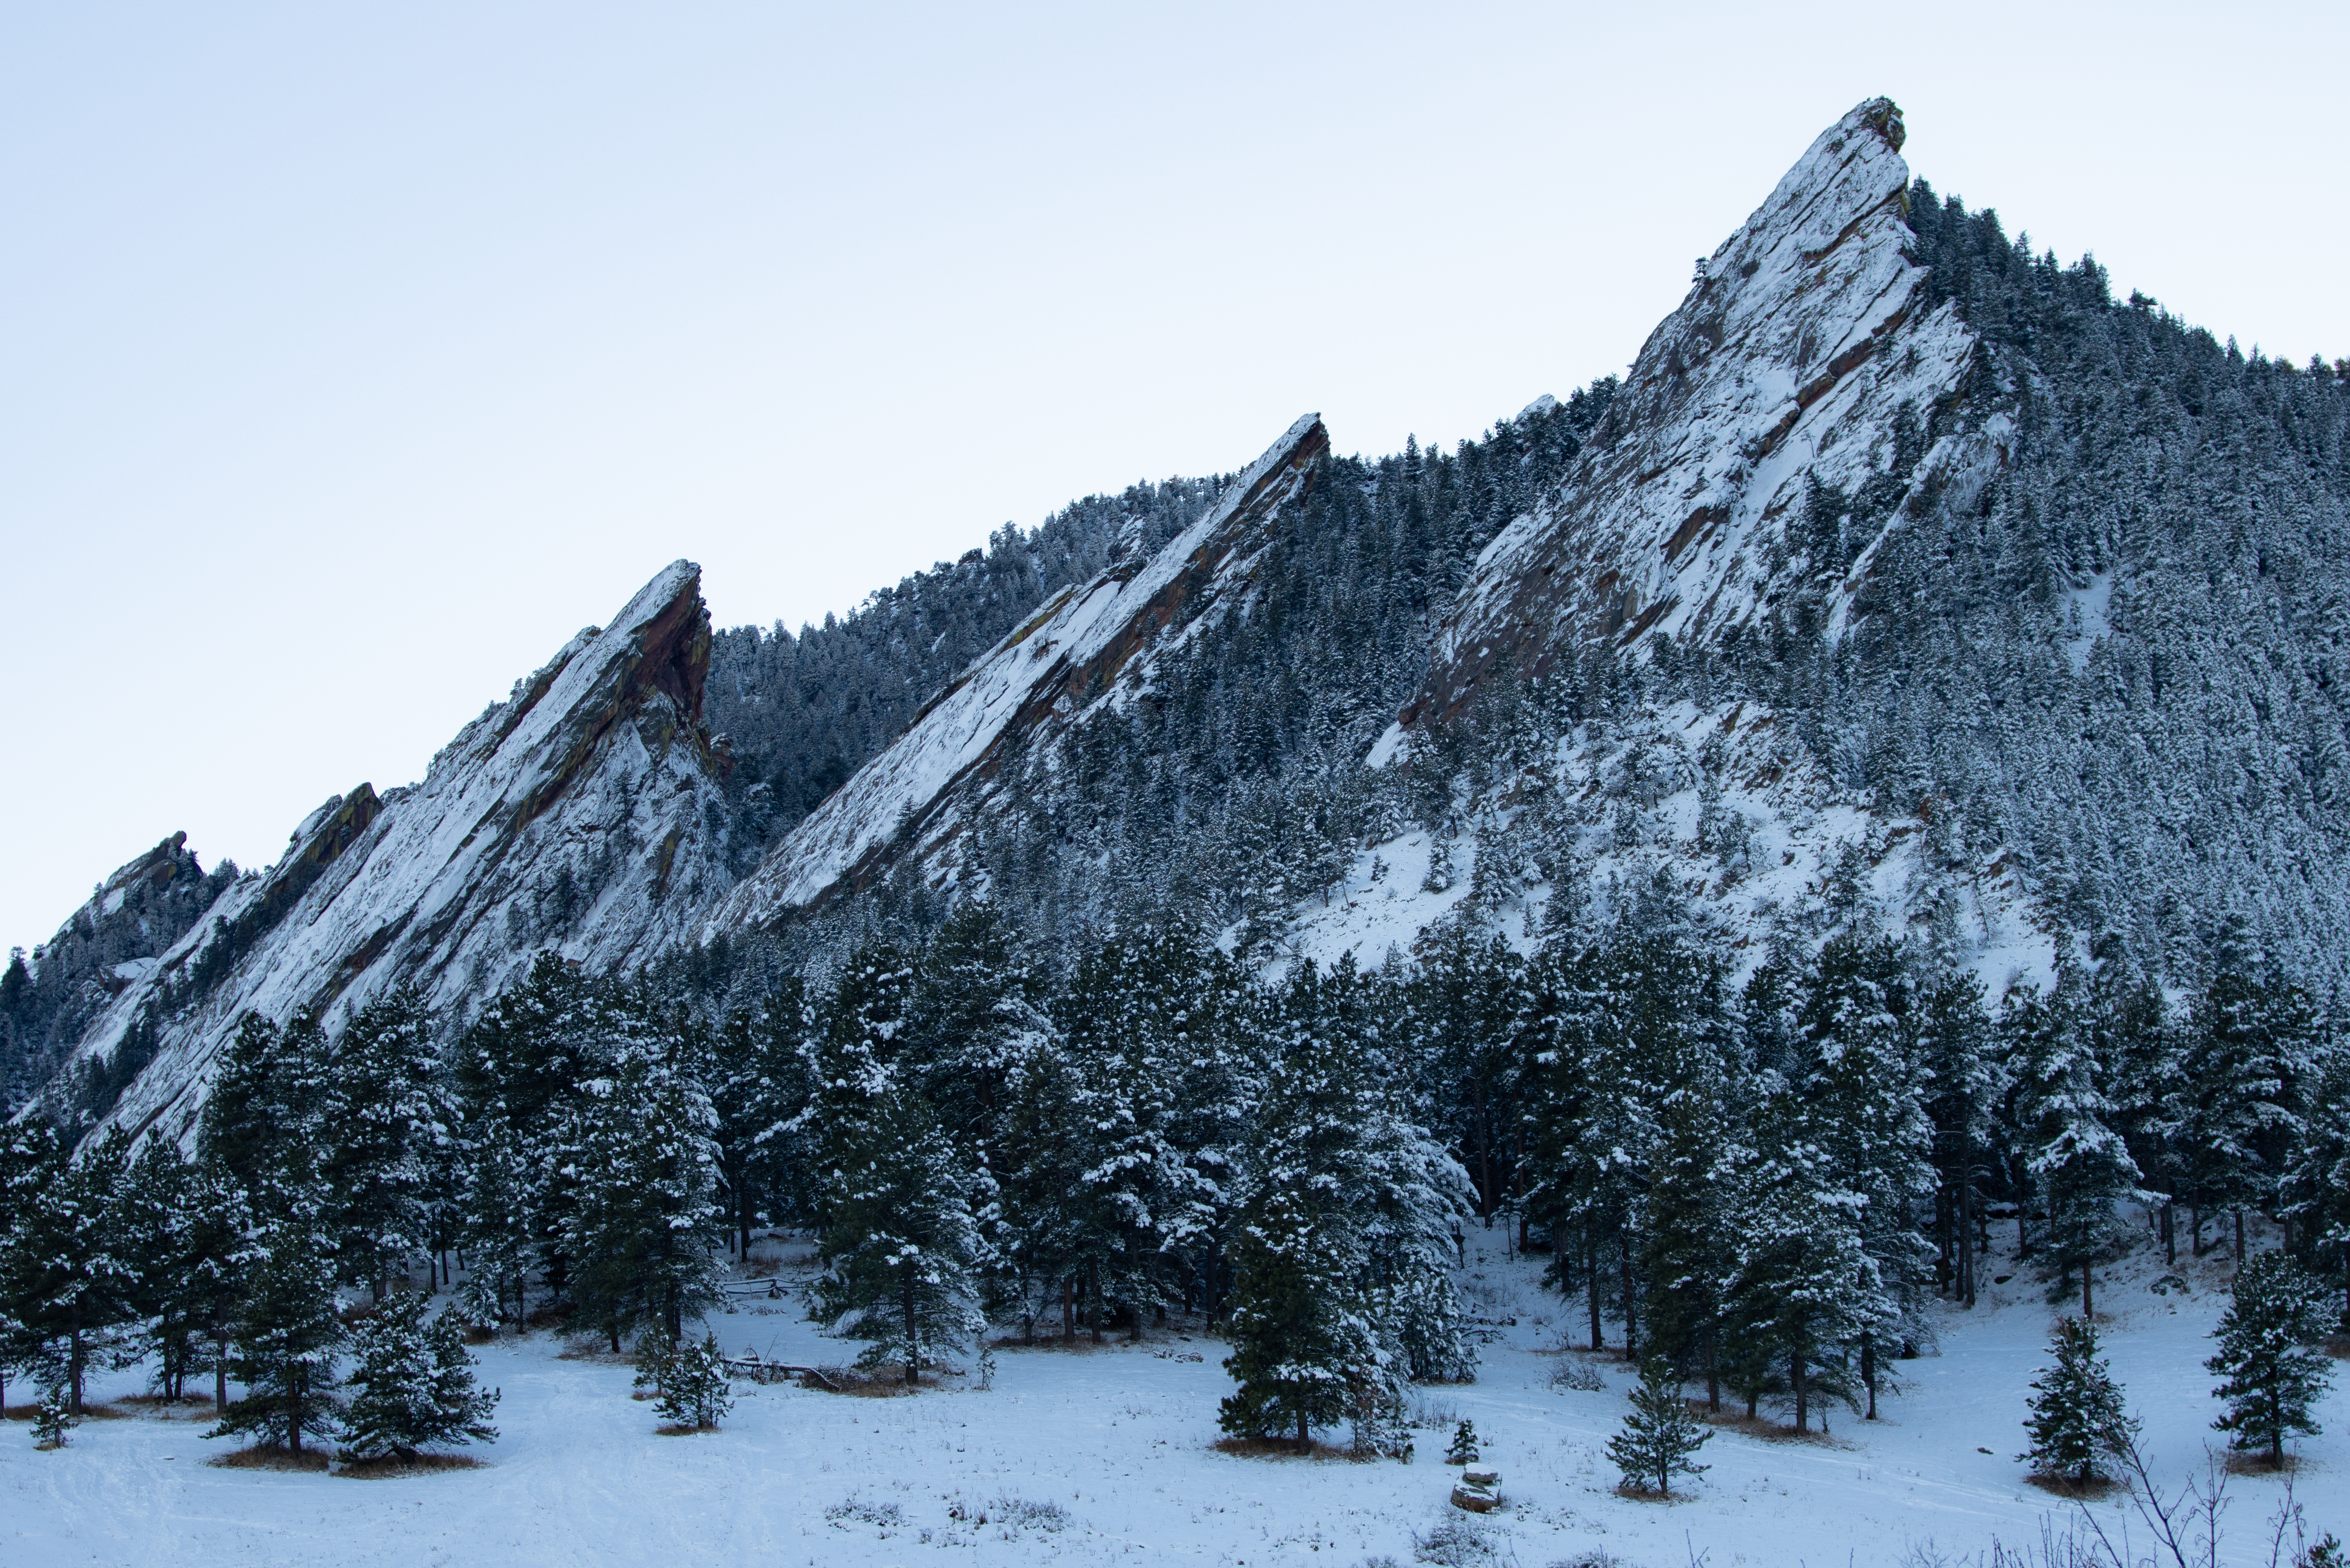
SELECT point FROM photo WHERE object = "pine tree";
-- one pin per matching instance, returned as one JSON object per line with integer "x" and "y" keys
{"x": 2248, "y": 1067}
{"x": 1659, "y": 1435}
{"x": 384, "y": 1121}
{"x": 412, "y": 1385}
{"x": 2316, "y": 1188}
{"x": 2274, "y": 1374}
{"x": 54, "y": 1418}
{"x": 901, "y": 1250}
{"x": 2072, "y": 1155}
{"x": 1859, "y": 1102}
{"x": 70, "y": 1290}
{"x": 688, "y": 1380}
{"x": 1343, "y": 1211}
{"x": 644, "y": 1226}
{"x": 1463, "y": 1449}
{"x": 2078, "y": 1420}
{"x": 284, "y": 1343}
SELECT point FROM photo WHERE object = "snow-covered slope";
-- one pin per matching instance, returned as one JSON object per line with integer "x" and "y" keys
{"x": 1789, "y": 361}
{"x": 584, "y": 814}
{"x": 921, "y": 793}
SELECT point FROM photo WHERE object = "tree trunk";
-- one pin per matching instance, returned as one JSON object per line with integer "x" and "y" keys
{"x": 1069, "y": 1309}
{"x": 75, "y": 1360}
{"x": 1304, "y": 1443}
{"x": 1868, "y": 1370}
{"x": 293, "y": 1408}
{"x": 2088, "y": 1278}
{"x": 913, "y": 1356}
{"x": 1591, "y": 1244}
{"x": 1631, "y": 1320}
{"x": 2169, "y": 1236}
{"x": 1802, "y": 1394}
{"x": 220, "y": 1374}
{"x": 1966, "y": 1246}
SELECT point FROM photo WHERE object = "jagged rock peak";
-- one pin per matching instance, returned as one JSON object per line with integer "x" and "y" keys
{"x": 583, "y": 815}
{"x": 1777, "y": 365}
{"x": 922, "y": 792}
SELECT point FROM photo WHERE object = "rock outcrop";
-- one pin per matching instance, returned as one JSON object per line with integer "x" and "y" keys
{"x": 1787, "y": 364}
{"x": 1086, "y": 643}
{"x": 583, "y": 815}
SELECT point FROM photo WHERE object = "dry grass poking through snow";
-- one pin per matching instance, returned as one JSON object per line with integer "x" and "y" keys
{"x": 1277, "y": 1449}
{"x": 2074, "y": 1491}
{"x": 268, "y": 1457}
{"x": 391, "y": 1466}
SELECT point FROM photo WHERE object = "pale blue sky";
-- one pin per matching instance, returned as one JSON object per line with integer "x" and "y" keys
{"x": 353, "y": 357}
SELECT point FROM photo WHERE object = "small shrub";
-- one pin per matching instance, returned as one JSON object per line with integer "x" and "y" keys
{"x": 1579, "y": 1375}
{"x": 1455, "y": 1542}
{"x": 858, "y": 1511}
{"x": 687, "y": 1381}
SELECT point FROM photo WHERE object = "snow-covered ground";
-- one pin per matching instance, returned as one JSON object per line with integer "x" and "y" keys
{"x": 1118, "y": 1440}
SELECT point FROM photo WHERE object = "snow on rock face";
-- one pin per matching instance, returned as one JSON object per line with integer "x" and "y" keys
{"x": 1791, "y": 357}
{"x": 581, "y": 815}
{"x": 920, "y": 794}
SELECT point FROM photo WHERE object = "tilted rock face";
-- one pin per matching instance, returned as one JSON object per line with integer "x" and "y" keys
{"x": 920, "y": 795}
{"x": 1789, "y": 359}
{"x": 585, "y": 815}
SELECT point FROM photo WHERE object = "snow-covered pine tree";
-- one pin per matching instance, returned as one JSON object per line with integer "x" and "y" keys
{"x": 385, "y": 1121}
{"x": 1590, "y": 1110}
{"x": 688, "y": 1380}
{"x": 757, "y": 1082}
{"x": 643, "y": 1227}
{"x": 1660, "y": 1436}
{"x": 70, "y": 1289}
{"x": 1860, "y": 1101}
{"x": 2078, "y": 1421}
{"x": 519, "y": 1071}
{"x": 901, "y": 1252}
{"x": 2251, "y": 1039}
{"x": 284, "y": 1341}
{"x": 183, "y": 1233}
{"x": 412, "y": 1385}
{"x": 2316, "y": 1189}
{"x": 32, "y": 1158}
{"x": 54, "y": 1416}
{"x": 2076, "y": 1162}
{"x": 2274, "y": 1373}
{"x": 1968, "y": 1083}
{"x": 1805, "y": 1289}
{"x": 1345, "y": 1204}
{"x": 1135, "y": 1193}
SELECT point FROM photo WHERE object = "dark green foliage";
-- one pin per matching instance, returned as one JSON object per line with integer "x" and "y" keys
{"x": 1659, "y": 1435}
{"x": 68, "y": 1288}
{"x": 412, "y": 1385}
{"x": 643, "y": 1223}
{"x": 688, "y": 1380}
{"x": 2078, "y": 1422}
{"x": 387, "y": 1126}
{"x": 2274, "y": 1372}
{"x": 1463, "y": 1449}
{"x": 287, "y": 1338}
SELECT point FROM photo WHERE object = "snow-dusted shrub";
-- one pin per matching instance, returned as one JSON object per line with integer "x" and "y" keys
{"x": 1580, "y": 1376}
{"x": 859, "y": 1511}
{"x": 1455, "y": 1542}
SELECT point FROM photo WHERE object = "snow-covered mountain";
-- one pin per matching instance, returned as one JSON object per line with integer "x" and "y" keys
{"x": 1086, "y": 644}
{"x": 1801, "y": 340}
{"x": 1907, "y": 575}
{"x": 582, "y": 813}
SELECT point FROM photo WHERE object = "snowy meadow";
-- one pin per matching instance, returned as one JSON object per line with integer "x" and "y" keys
{"x": 1108, "y": 1454}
